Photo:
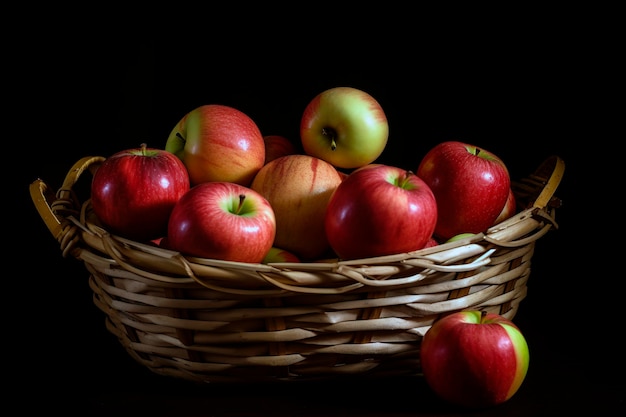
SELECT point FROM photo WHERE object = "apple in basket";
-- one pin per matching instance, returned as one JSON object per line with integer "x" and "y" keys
{"x": 298, "y": 188}
{"x": 470, "y": 183}
{"x": 222, "y": 220}
{"x": 380, "y": 210}
{"x": 344, "y": 126}
{"x": 277, "y": 146}
{"x": 509, "y": 209}
{"x": 218, "y": 143}
{"x": 279, "y": 255}
{"x": 474, "y": 359}
{"x": 134, "y": 191}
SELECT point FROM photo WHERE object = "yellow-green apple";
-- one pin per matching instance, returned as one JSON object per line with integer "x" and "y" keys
{"x": 279, "y": 255}
{"x": 218, "y": 143}
{"x": 134, "y": 191}
{"x": 277, "y": 146}
{"x": 380, "y": 210}
{"x": 344, "y": 126}
{"x": 509, "y": 209}
{"x": 460, "y": 236}
{"x": 474, "y": 359}
{"x": 298, "y": 188}
{"x": 471, "y": 186}
{"x": 222, "y": 220}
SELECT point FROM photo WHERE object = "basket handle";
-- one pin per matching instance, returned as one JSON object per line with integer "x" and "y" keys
{"x": 49, "y": 205}
{"x": 548, "y": 175}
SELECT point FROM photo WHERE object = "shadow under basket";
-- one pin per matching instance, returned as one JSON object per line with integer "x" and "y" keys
{"x": 207, "y": 320}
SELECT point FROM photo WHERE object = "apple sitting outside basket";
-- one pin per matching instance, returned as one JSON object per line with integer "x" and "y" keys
{"x": 474, "y": 359}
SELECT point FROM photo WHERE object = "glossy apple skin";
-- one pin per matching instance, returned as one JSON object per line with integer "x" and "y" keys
{"x": 207, "y": 222}
{"x": 277, "y": 146}
{"x": 218, "y": 143}
{"x": 380, "y": 210}
{"x": 355, "y": 120}
{"x": 298, "y": 188}
{"x": 471, "y": 186}
{"x": 509, "y": 209}
{"x": 134, "y": 191}
{"x": 474, "y": 361}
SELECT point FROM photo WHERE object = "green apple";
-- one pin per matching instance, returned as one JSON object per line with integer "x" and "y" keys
{"x": 344, "y": 126}
{"x": 460, "y": 236}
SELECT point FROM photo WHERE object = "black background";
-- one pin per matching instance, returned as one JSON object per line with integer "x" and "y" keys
{"x": 525, "y": 99}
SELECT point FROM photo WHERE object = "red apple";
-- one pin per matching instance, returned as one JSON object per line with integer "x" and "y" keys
{"x": 279, "y": 255}
{"x": 218, "y": 143}
{"x": 277, "y": 146}
{"x": 380, "y": 210}
{"x": 509, "y": 209}
{"x": 134, "y": 191}
{"x": 431, "y": 242}
{"x": 471, "y": 186}
{"x": 474, "y": 359}
{"x": 222, "y": 220}
{"x": 298, "y": 187}
{"x": 344, "y": 126}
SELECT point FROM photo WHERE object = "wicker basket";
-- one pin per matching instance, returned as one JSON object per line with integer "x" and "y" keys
{"x": 214, "y": 321}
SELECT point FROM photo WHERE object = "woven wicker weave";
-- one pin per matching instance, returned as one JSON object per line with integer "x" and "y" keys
{"x": 214, "y": 321}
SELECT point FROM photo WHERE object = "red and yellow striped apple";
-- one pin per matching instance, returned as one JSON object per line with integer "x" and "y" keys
{"x": 474, "y": 359}
{"x": 218, "y": 143}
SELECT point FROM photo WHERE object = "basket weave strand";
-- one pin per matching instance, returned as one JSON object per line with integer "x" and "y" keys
{"x": 208, "y": 320}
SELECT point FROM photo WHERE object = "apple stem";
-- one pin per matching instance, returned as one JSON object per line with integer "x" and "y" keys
{"x": 143, "y": 147}
{"x": 178, "y": 135}
{"x": 242, "y": 197}
{"x": 331, "y": 135}
{"x": 405, "y": 180}
{"x": 483, "y": 314}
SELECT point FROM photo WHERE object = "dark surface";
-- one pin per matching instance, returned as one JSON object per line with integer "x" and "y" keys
{"x": 521, "y": 102}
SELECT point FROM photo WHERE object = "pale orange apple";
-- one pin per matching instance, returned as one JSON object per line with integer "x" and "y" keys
{"x": 298, "y": 187}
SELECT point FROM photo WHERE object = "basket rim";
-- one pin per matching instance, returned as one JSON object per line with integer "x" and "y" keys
{"x": 72, "y": 223}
